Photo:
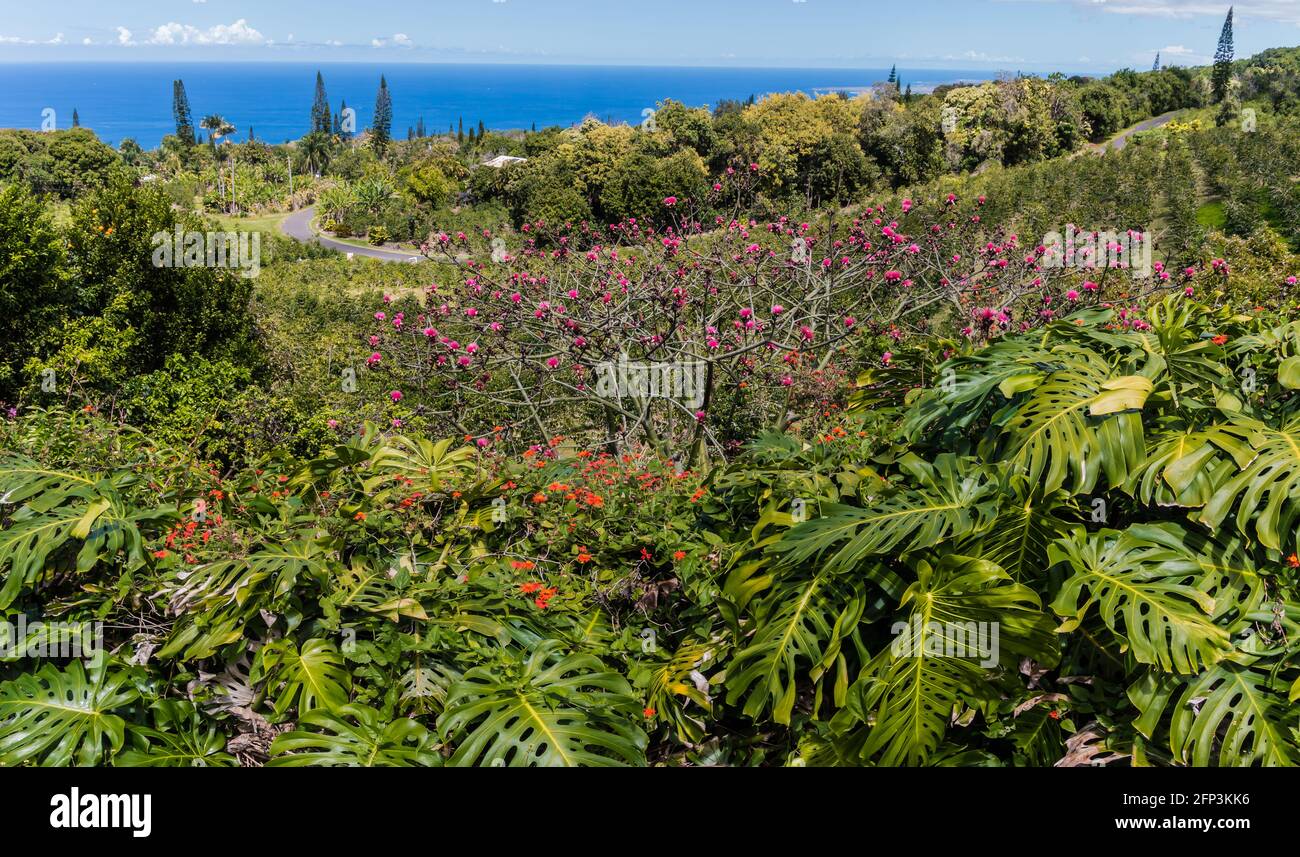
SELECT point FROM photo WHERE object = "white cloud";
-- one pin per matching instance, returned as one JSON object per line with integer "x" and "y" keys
{"x": 980, "y": 56}
{"x": 1284, "y": 11}
{"x": 238, "y": 33}
{"x": 87, "y": 41}
{"x": 124, "y": 36}
{"x": 400, "y": 40}
{"x": 1179, "y": 54}
{"x": 19, "y": 40}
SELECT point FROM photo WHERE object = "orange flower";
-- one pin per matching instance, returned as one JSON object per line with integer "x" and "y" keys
{"x": 679, "y": 556}
{"x": 649, "y": 712}
{"x": 1220, "y": 340}
{"x": 523, "y": 565}
{"x": 539, "y": 498}
{"x": 1294, "y": 561}
{"x": 359, "y": 516}
{"x": 529, "y": 588}
{"x": 584, "y": 557}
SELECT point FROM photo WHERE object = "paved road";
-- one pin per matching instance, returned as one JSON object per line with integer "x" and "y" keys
{"x": 1122, "y": 139}
{"x": 298, "y": 227}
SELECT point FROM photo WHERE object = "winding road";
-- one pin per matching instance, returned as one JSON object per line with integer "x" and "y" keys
{"x": 1120, "y": 140}
{"x": 298, "y": 227}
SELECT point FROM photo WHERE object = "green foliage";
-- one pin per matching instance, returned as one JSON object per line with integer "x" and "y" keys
{"x": 36, "y": 290}
{"x": 59, "y": 163}
{"x": 355, "y": 737}
{"x": 537, "y": 713}
{"x": 56, "y": 718}
{"x": 1083, "y": 530}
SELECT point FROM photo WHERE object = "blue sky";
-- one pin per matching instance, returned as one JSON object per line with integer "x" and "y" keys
{"x": 1038, "y": 35}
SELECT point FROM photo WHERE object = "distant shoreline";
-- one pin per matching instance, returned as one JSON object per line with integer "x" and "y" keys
{"x": 119, "y": 100}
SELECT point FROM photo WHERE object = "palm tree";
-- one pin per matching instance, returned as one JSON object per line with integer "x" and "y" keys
{"x": 217, "y": 126}
{"x": 316, "y": 151}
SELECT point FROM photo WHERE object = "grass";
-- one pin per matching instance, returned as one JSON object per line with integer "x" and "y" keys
{"x": 260, "y": 223}
{"x": 1212, "y": 215}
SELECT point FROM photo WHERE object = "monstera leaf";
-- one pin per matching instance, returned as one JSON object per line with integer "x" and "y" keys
{"x": 234, "y": 581}
{"x": 549, "y": 711}
{"x": 368, "y": 586}
{"x": 1065, "y": 415}
{"x": 56, "y": 718}
{"x": 1231, "y": 715}
{"x": 61, "y": 509}
{"x": 1185, "y": 468}
{"x": 1069, "y": 423}
{"x": 215, "y": 600}
{"x": 965, "y": 387}
{"x": 1026, "y": 525}
{"x": 966, "y": 617}
{"x": 679, "y": 691}
{"x": 1265, "y": 490}
{"x": 1147, "y": 589}
{"x": 355, "y": 736}
{"x": 801, "y": 625}
{"x": 181, "y": 739}
{"x": 307, "y": 678}
{"x": 938, "y": 501}
{"x": 1194, "y": 363}
{"x": 426, "y": 684}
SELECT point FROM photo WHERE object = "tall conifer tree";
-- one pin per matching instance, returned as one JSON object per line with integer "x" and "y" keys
{"x": 1223, "y": 60}
{"x": 320, "y": 108}
{"x": 181, "y": 112}
{"x": 381, "y": 131}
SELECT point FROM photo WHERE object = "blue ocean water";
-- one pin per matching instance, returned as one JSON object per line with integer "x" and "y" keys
{"x": 119, "y": 100}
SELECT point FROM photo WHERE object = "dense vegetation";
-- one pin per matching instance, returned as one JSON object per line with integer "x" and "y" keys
{"x": 356, "y": 513}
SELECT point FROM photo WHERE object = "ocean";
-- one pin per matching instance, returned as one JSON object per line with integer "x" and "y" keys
{"x": 120, "y": 100}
